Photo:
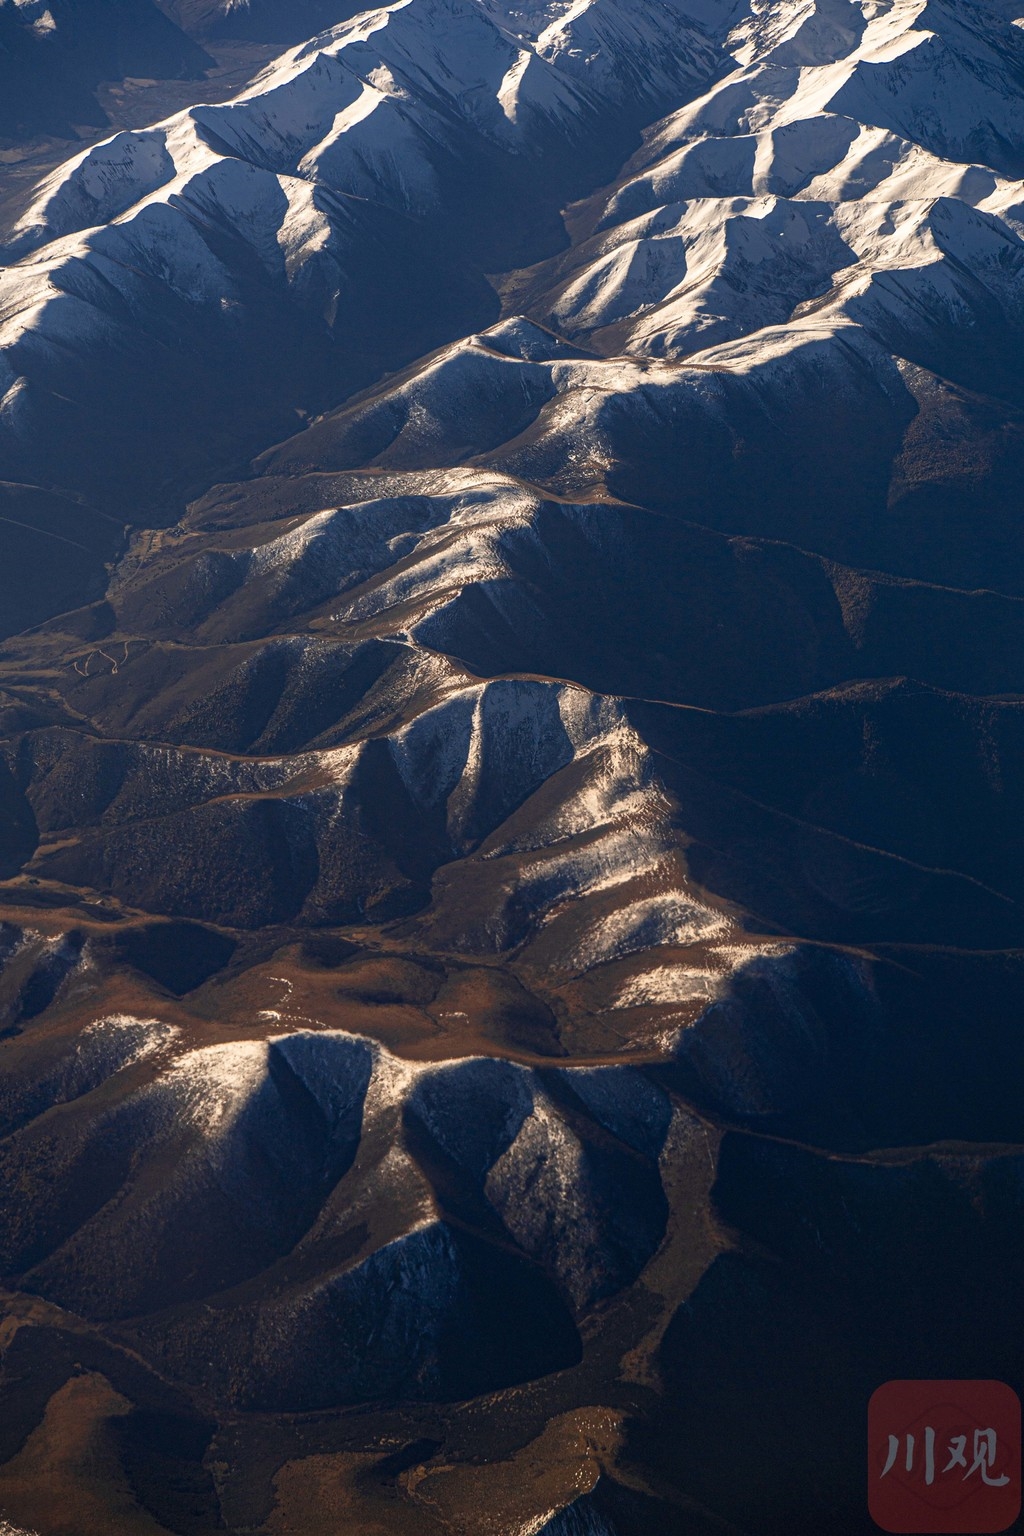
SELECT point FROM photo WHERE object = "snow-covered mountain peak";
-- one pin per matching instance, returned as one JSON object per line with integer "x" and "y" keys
{"x": 366, "y": 108}
{"x": 848, "y": 141}
{"x": 803, "y": 34}
{"x": 831, "y": 158}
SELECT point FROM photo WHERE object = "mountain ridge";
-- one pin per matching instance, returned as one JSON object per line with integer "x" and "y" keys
{"x": 512, "y": 919}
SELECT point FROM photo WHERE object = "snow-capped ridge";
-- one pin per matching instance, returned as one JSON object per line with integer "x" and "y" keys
{"x": 830, "y": 171}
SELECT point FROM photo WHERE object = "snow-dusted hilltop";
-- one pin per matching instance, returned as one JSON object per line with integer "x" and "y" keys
{"x": 356, "y": 177}
{"x": 859, "y": 164}
{"x": 781, "y": 310}
{"x": 832, "y": 171}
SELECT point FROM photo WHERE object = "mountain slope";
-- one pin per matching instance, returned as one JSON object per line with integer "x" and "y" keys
{"x": 512, "y": 914}
{"x": 335, "y": 219}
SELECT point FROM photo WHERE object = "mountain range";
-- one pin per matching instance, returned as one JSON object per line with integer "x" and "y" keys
{"x": 513, "y": 505}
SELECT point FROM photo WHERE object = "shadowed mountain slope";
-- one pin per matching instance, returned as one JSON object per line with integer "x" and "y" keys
{"x": 53, "y": 54}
